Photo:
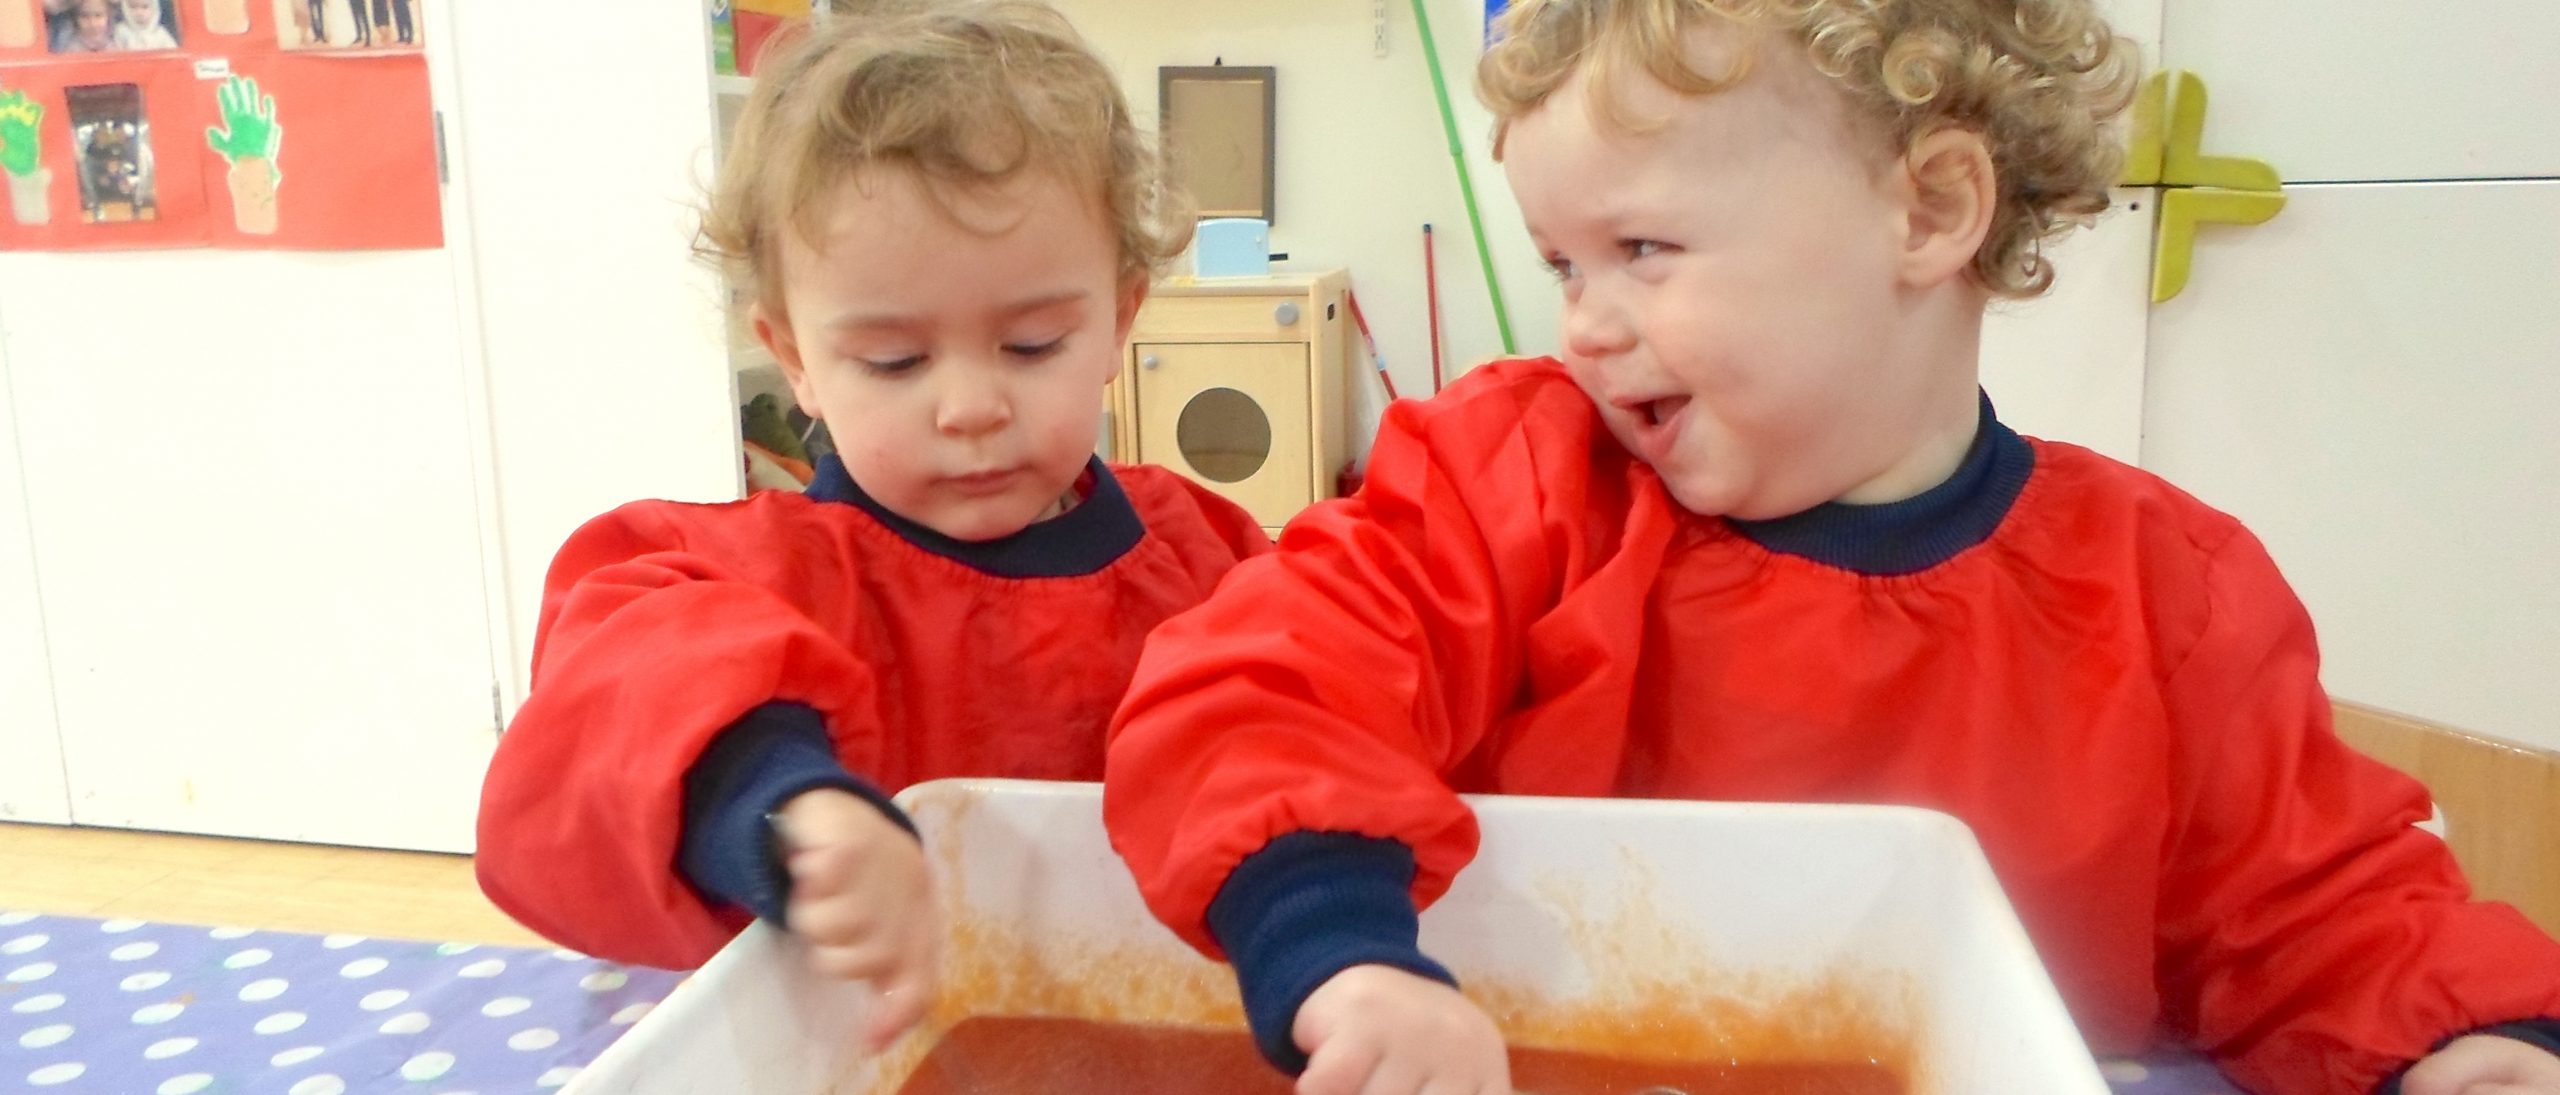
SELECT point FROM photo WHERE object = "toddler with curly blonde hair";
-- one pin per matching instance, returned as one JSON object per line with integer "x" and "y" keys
{"x": 1755, "y": 534}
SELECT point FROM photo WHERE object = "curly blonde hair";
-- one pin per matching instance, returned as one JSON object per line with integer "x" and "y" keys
{"x": 966, "y": 95}
{"x": 2041, "y": 80}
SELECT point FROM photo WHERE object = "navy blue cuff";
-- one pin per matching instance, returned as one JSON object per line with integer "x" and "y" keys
{"x": 1306, "y": 907}
{"x": 765, "y": 759}
{"x": 2543, "y": 1034}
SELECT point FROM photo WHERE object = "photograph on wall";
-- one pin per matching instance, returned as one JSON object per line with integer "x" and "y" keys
{"x": 348, "y": 24}
{"x": 111, "y": 147}
{"x": 74, "y": 27}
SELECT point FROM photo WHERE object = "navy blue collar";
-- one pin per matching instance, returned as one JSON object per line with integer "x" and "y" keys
{"x": 1096, "y": 533}
{"x": 1917, "y": 533}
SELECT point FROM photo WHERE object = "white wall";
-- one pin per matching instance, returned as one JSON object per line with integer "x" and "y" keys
{"x": 1363, "y": 162}
{"x": 31, "y": 785}
{"x": 600, "y": 337}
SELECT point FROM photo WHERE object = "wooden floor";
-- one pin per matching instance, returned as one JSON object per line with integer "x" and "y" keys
{"x": 110, "y": 873}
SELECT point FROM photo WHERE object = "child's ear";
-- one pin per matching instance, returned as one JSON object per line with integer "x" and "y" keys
{"x": 775, "y": 333}
{"x": 1950, "y": 192}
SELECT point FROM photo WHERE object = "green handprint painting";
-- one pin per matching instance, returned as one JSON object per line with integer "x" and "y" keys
{"x": 22, "y": 158}
{"x": 249, "y": 137}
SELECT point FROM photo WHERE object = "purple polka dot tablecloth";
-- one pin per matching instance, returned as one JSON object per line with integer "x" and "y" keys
{"x": 124, "y": 1007}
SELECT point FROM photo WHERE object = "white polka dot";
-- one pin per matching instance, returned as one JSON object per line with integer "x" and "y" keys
{"x": 485, "y": 969}
{"x": 407, "y": 1023}
{"x": 2123, "y": 1072}
{"x": 263, "y": 990}
{"x": 606, "y": 981}
{"x": 448, "y": 950}
{"x": 382, "y": 1001}
{"x": 230, "y": 933}
{"x": 34, "y": 1005}
{"x": 505, "y": 1006}
{"x": 568, "y": 956}
{"x": 363, "y": 967}
{"x": 558, "y": 1077}
{"x": 13, "y": 919}
{"x": 30, "y": 974}
{"x": 50, "y": 1075}
{"x": 323, "y": 1084}
{"x": 157, "y": 1014}
{"x": 630, "y": 1015}
{"x": 188, "y": 1084}
{"x": 281, "y": 1022}
{"x": 169, "y": 1047}
{"x": 341, "y": 942}
{"x": 427, "y": 1066}
{"x": 134, "y": 952}
{"x": 45, "y": 1037}
{"x": 144, "y": 982}
{"x": 526, "y": 1041}
{"x": 24, "y": 944}
{"x": 254, "y": 956}
{"x": 294, "y": 1056}
{"x": 119, "y": 927}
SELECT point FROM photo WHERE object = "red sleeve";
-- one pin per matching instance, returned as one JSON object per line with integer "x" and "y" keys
{"x": 645, "y": 653}
{"x": 1333, "y": 685}
{"x": 2312, "y": 938}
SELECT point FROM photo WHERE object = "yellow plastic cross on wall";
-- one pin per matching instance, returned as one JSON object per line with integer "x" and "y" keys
{"x": 2166, "y": 149}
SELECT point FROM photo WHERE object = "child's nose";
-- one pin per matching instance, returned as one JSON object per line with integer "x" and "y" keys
{"x": 1595, "y": 328}
{"x": 973, "y": 406}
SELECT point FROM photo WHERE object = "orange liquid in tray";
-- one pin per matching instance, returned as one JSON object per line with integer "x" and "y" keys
{"x": 1012, "y": 1056}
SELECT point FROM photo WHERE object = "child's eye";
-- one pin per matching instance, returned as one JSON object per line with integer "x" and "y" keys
{"x": 1560, "y": 266}
{"x": 1036, "y": 350}
{"x": 1637, "y": 249}
{"x": 892, "y": 367}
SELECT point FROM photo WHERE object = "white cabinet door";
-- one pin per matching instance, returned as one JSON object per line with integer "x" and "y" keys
{"x": 31, "y": 787}
{"x": 2369, "y": 381}
{"x": 2368, "y": 90}
{"x": 250, "y": 491}
{"x": 2068, "y": 366}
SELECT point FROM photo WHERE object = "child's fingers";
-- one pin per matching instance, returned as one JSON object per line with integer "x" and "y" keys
{"x": 862, "y": 962}
{"x": 903, "y": 1001}
{"x": 1398, "y": 1075}
{"x": 834, "y": 921}
{"x": 1337, "y": 1069}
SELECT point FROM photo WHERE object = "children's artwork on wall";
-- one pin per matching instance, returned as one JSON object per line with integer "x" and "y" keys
{"x": 22, "y": 159}
{"x": 347, "y": 24}
{"x": 752, "y": 25}
{"x": 249, "y": 141}
{"x": 101, "y": 151}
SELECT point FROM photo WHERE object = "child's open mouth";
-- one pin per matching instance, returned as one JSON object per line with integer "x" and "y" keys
{"x": 1657, "y": 423}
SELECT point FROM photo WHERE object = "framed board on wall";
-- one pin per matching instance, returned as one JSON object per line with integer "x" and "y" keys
{"x": 1219, "y": 134}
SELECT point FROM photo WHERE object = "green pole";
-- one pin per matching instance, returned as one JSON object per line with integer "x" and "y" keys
{"x": 1466, "y": 178}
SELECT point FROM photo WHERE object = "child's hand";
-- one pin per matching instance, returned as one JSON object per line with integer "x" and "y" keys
{"x": 861, "y": 898}
{"x": 1377, "y": 1030}
{"x": 2485, "y": 1065}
